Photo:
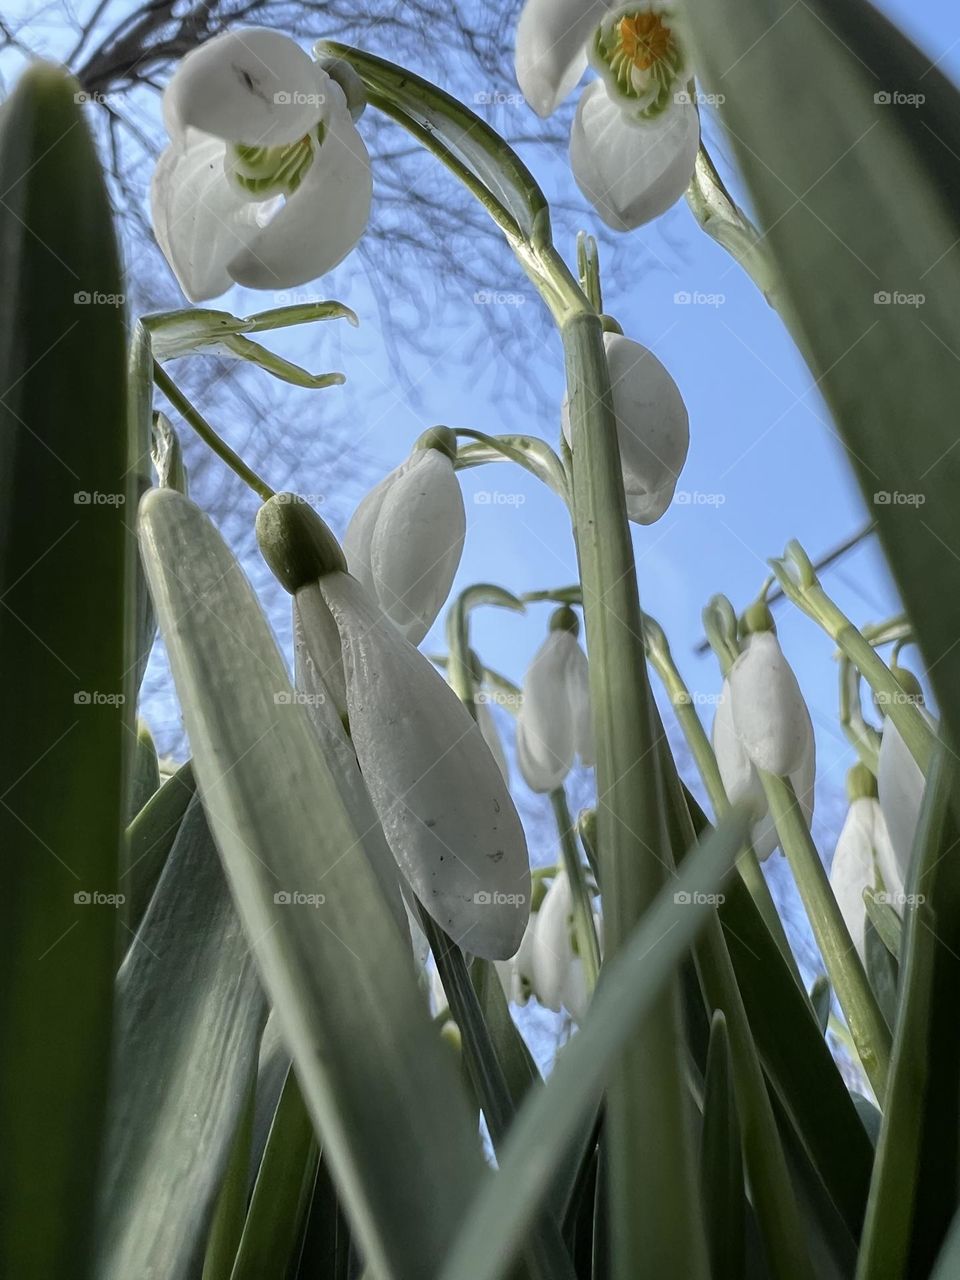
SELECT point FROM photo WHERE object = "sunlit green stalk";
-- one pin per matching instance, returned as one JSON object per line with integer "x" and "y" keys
{"x": 588, "y": 948}
{"x": 871, "y": 1035}
{"x": 195, "y": 419}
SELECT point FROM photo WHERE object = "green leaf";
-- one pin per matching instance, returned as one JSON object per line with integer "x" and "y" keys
{"x": 721, "y": 1159}
{"x": 632, "y": 982}
{"x": 145, "y": 775}
{"x": 462, "y": 133}
{"x": 149, "y": 839}
{"x": 66, "y": 498}
{"x": 857, "y": 188}
{"x": 882, "y": 971}
{"x": 821, "y": 997}
{"x": 885, "y": 921}
{"x": 381, "y": 1089}
{"x": 189, "y": 1016}
{"x": 282, "y": 1191}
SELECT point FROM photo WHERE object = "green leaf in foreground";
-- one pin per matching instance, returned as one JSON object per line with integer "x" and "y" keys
{"x": 66, "y": 493}
{"x": 383, "y": 1094}
{"x": 549, "y": 1119}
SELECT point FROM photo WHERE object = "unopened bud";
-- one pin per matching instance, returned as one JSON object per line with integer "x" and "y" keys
{"x": 296, "y": 543}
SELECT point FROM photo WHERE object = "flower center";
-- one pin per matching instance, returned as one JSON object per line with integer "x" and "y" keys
{"x": 640, "y": 55}
{"x": 264, "y": 172}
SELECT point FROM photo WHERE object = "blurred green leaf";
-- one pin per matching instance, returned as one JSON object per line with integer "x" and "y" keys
{"x": 821, "y": 997}
{"x": 149, "y": 839}
{"x": 189, "y": 1017}
{"x": 66, "y": 498}
{"x": 721, "y": 1159}
{"x": 380, "y": 1086}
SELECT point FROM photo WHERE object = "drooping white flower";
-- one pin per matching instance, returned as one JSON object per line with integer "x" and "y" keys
{"x": 653, "y": 429}
{"x": 862, "y": 846}
{"x": 442, "y": 803}
{"x": 266, "y": 181}
{"x": 901, "y": 783}
{"x": 557, "y": 971}
{"x": 636, "y": 133}
{"x": 742, "y": 783}
{"x": 631, "y": 171}
{"x": 405, "y": 539}
{"x": 516, "y": 974}
{"x": 554, "y": 724}
{"x": 770, "y": 716}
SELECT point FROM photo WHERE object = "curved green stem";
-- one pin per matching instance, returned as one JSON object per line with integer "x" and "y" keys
{"x": 588, "y": 948}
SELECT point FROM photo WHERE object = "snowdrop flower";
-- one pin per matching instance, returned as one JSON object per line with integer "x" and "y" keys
{"x": 770, "y": 717}
{"x": 636, "y": 133}
{"x": 741, "y": 781}
{"x": 443, "y": 806}
{"x": 554, "y": 722}
{"x": 266, "y": 181}
{"x": 863, "y": 846}
{"x": 559, "y": 980}
{"x": 405, "y": 539}
{"x": 901, "y": 784}
{"x": 516, "y": 974}
{"x": 653, "y": 429}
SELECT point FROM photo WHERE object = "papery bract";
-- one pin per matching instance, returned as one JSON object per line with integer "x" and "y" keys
{"x": 653, "y": 429}
{"x": 266, "y": 182}
{"x": 405, "y": 539}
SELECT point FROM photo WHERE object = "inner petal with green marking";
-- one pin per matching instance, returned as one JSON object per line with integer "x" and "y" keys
{"x": 643, "y": 56}
{"x": 264, "y": 172}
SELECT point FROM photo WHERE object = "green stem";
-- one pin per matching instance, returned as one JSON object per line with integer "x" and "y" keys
{"x": 647, "y": 1107}
{"x": 870, "y": 1032}
{"x": 588, "y": 948}
{"x": 195, "y": 419}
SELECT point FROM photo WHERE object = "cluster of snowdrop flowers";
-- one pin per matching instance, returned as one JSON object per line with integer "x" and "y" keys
{"x": 444, "y": 810}
{"x": 554, "y": 725}
{"x": 653, "y": 428}
{"x": 762, "y": 723}
{"x": 864, "y": 857}
{"x": 405, "y": 539}
{"x": 636, "y": 133}
{"x": 266, "y": 181}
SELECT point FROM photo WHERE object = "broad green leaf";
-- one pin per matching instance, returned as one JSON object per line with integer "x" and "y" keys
{"x": 144, "y": 778}
{"x": 149, "y": 839}
{"x": 282, "y": 1191}
{"x": 381, "y": 1089}
{"x": 461, "y": 132}
{"x": 230, "y": 1213}
{"x": 854, "y": 177}
{"x": 721, "y": 1159}
{"x": 632, "y": 982}
{"x": 189, "y": 1016}
{"x": 66, "y": 499}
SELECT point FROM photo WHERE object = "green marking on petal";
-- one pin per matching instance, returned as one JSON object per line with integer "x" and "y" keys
{"x": 641, "y": 56}
{"x": 265, "y": 172}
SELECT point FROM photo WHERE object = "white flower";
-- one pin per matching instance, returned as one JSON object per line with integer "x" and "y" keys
{"x": 405, "y": 539}
{"x": 854, "y": 866}
{"x": 630, "y": 171}
{"x": 770, "y": 716}
{"x": 442, "y": 802}
{"x": 653, "y": 429}
{"x": 554, "y": 721}
{"x": 516, "y": 974}
{"x": 558, "y": 975}
{"x": 900, "y": 783}
{"x": 742, "y": 783}
{"x": 636, "y": 133}
{"x": 266, "y": 182}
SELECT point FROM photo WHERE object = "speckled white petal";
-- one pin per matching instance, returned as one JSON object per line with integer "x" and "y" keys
{"x": 550, "y": 48}
{"x": 769, "y": 714}
{"x": 201, "y": 222}
{"x": 445, "y": 810}
{"x": 853, "y": 868}
{"x": 256, "y": 87}
{"x": 546, "y": 739}
{"x": 900, "y": 784}
{"x": 491, "y": 737}
{"x": 322, "y": 221}
{"x": 417, "y": 543}
{"x": 631, "y": 171}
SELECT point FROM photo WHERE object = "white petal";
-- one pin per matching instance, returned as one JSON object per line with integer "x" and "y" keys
{"x": 417, "y": 543}
{"x": 552, "y": 951}
{"x": 769, "y": 713}
{"x": 491, "y": 737}
{"x": 550, "y": 48}
{"x": 359, "y": 535}
{"x": 200, "y": 220}
{"x": 740, "y": 779}
{"x": 256, "y": 86}
{"x": 578, "y": 692}
{"x": 324, "y": 218}
{"x": 546, "y": 739}
{"x": 900, "y": 784}
{"x": 445, "y": 810}
{"x": 631, "y": 171}
{"x": 317, "y": 645}
{"x": 853, "y": 869}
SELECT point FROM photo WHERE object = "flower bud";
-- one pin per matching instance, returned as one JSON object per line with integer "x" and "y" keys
{"x": 863, "y": 846}
{"x": 405, "y": 539}
{"x": 554, "y": 722}
{"x": 653, "y": 429}
{"x": 770, "y": 717}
